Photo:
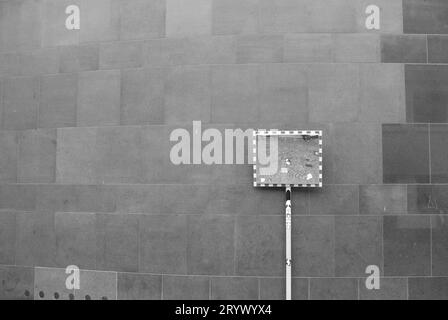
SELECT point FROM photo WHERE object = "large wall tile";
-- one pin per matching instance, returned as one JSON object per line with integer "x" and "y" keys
{"x": 190, "y": 50}
{"x": 31, "y": 63}
{"x": 403, "y": 48}
{"x": 234, "y": 16}
{"x": 58, "y": 101}
{"x": 334, "y": 200}
{"x": 334, "y": 93}
{"x": 439, "y": 153}
{"x": 226, "y": 288}
{"x": 78, "y": 198}
{"x": 163, "y": 244}
{"x": 313, "y": 246}
{"x": 7, "y": 237}
{"x": 98, "y": 98}
{"x": 333, "y": 289}
{"x": 130, "y": 154}
{"x": 437, "y": 49}
{"x": 382, "y": 93}
{"x": 354, "y": 153}
{"x": 434, "y": 288}
{"x": 307, "y": 16}
{"x": 37, "y": 156}
{"x": 187, "y": 95}
{"x": 390, "y": 289}
{"x": 427, "y": 199}
{"x": 235, "y": 94}
{"x": 16, "y": 283}
{"x": 358, "y": 244}
{"x": 406, "y": 245}
{"x": 421, "y": 16}
{"x": 20, "y": 25}
{"x": 54, "y": 32}
{"x": 8, "y": 156}
{"x": 75, "y": 156}
{"x": 426, "y": 93}
{"x": 100, "y": 20}
{"x": 259, "y": 48}
{"x": 382, "y": 199}
{"x": 211, "y": 248}
{"x": 120, "y": 55}
{"x": 20, "y": 197}
{"x": 139, "y": 199}
{"x": 439, "y": 234}
{"x": 186, "y": 288}
{"x": 79, "y": 58}
{"x": 283, "y": 93}
{"x": 137, "y": 286}
{"x": 76, "y": 240}
{"x": 117, "y": 242}
{"x": 356, "y": 48}
{"x": 308, "y": 47}
{"x": 142, "y": 96}
{"x": 260, "y": 246}
{"x": 405, "y": 153}
{"x": 142, "y": 19}
{"x": 274, "y": 289}
{"x": 35, "y": 239}
{"x": 192, "y": 18}
{"x": 20, "y": 103}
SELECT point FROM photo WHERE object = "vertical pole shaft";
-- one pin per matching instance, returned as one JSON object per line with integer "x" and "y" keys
{"x": 288, "y": 243}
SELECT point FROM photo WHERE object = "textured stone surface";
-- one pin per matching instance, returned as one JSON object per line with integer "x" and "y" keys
{"x": 76, "y": 240}
{"x": 20, "y": 103}
{"x": 135, "y": 286}
{"x": 407, "y": 245}
{"x": 403, "y": 48}
{"x": 382, "y": 199}
{"x": 211, "y": 245}
{"x": 8, "y": 156}
{"x": 439, "y": 154}
{"x": 358, "y": 244}
{"x": 333, "y": 289}
{"x": 437, "y": 49}
{"x": 420, "y": 16}
{"x": 17, "y": 283}
{"x": 142, "y": 96}
{"x": 58, "y": 101}
{"x": 186, "y": 288}
{"x": 428, "y": 288}
{"x": 37, "y": 156}
{"x": 142, "y": 19}
{"x": 426, "y": 93}
{"x": 192, "y": 18}
{"x": 234, "y": 288}
{"x": 313, "y": 246}
{"x": 7, "y": 237}
{"x": 98, "y": 98}
{"x": 406, "y": 153}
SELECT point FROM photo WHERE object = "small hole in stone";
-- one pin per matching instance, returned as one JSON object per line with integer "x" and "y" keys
{"x": 27, "y": 293}
{"x": 88, "y": 297}
{"x": 71, "y": 296}
{"x": 104, "y": 298}
{"x": 56, "y": 295}
{"x": 41, "y": 294}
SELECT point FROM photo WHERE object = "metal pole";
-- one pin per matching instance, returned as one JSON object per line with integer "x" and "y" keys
{"x": 288, "y": 243}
